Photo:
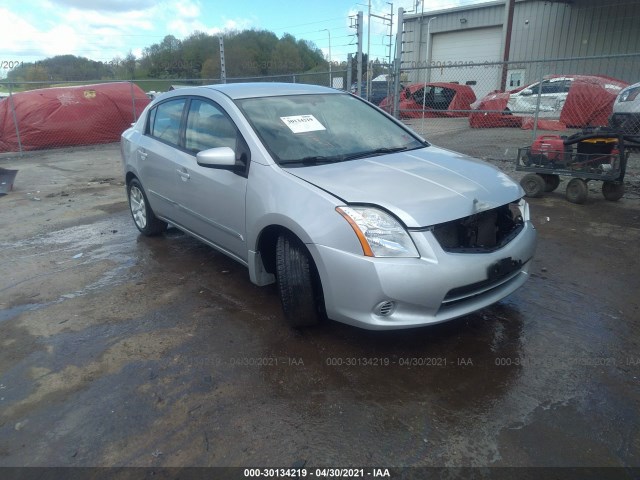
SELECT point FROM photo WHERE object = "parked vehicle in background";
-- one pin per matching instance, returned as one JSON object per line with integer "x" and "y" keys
{"x": 379, "y": 91}
{"x": 352, "y": 214}
{"x": 553, "y": 94}
{"x": 626, "y": 110}
{"x": 566, "y": 101}
{"x": 437, "y": 99}
{"x": 554, "y": 91}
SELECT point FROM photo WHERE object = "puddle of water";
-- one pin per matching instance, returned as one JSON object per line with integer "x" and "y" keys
{"x": 53, "y": 255}
{"x": 9, "y": 313}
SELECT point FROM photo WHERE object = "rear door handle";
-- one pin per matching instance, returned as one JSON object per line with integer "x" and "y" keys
{"x": 183, "y": 174}
{"x": 142, "y": 154}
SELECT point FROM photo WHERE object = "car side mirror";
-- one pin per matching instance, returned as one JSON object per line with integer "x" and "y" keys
{"x": 527, "y": 92}
{"x": 220, "y": 157}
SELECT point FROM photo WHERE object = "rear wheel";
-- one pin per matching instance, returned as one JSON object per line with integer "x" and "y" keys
{"x": 298, "y": 283}
{"x": 143, "y": 216}
{"x": 533, "y": 185}
{"x": 551, "y": 182}
{"x": 577, "y": 191}
{"x": 612, "y": 191}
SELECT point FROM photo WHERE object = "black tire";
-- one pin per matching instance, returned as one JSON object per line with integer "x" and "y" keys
{"x": 533, "y": 185}
{"x": 577, "y": 191}
{"x": 612, "y": 191}
{"x": 141, "y": 212}
{"x": 298, "y": 283}
{"x": 551, "y": 182}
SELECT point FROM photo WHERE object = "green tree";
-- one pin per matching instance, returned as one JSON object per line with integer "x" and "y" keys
{"x": 210, "y": 69}
{"x": 249, "y": 53}
{"x": 129, "y": 65}
{"x": 36, "y": 73}
{"x": 286, "y": 57}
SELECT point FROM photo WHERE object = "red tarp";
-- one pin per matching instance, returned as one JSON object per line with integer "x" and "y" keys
{"x": 588, "y": 103}
{"x": 67, "y": 116}
{"x": 462, "y": 98}
{"x": 489, "y": 112}
{"x": 543, "y": 124}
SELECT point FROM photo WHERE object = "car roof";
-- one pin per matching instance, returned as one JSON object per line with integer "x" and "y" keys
{"x": 269, "y": 89}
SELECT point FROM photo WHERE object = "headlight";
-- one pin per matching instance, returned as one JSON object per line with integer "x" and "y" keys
{"x": 629, "y": 95}
{"x": 378, "y": 232}
{"x": 520, "y": 208}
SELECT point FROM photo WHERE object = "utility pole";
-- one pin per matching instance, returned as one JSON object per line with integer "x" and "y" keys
{"x": 359, "y": 30}
{"x": 506, "y": 40}
{"x": 385, "y": 19}
{"x": 420, "y": 34}
{"x": 398, "y": 62}
{"x": 223, "y": 71}
{"x": 389, "y": 76}
{"x": 330, "y": 79}
{"x": 349, "y": 74}
{"x": 427, "y": 59}
{"x": 369, "y": 53}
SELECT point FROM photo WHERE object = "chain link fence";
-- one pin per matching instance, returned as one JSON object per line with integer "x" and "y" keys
{"x": 460, "y": 105}
{"x": 45, "y": 115}
{"x": 453, "y": 105}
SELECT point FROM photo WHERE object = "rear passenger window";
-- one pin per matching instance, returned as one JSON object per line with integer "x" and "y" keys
{"x": 165, "y": 121}
{"x": 556, "y": 86}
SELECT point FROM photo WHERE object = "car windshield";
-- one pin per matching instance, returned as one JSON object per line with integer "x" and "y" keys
{"x": 303, "y": 130}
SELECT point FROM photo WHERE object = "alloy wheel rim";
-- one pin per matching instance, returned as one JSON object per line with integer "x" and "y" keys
{"x": 138, "y": 207}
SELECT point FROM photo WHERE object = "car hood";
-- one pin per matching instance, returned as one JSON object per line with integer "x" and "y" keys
{"x": 421, "y": 187}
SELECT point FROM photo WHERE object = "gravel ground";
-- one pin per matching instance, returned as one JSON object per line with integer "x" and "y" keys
{"x": 500, "y": 146}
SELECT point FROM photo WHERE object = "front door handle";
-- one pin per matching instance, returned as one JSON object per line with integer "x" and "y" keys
{"x": 183, "y": 174}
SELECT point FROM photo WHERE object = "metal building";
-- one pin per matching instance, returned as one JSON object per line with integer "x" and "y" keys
{"x": 450, "y": 40}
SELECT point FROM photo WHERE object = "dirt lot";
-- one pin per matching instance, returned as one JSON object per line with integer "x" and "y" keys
{"x": 120, "y": 350}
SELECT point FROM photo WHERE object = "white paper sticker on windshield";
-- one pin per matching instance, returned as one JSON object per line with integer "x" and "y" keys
{"x": 302, "y": 123}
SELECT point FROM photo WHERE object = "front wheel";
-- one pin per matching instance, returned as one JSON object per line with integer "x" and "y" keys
{"x": 533, "y": 185}
{"x": 551, "y": 182}
{"x": 612, "y": 191}
{"x": 143, "y": 216}
{"x": 298, "y": 283}
{"x": 577, "y": 191}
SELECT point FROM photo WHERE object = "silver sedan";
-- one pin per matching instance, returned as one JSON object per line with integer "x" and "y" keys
{"x": 355, "y": 217}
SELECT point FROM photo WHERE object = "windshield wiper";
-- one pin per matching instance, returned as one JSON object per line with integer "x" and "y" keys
{"x": 318, "y": 159}
{"x": 311, "y": 160}
{"x": 373, "y": 153}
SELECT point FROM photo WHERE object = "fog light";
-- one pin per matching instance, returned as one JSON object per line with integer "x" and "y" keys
{"x": 384, "y": 309}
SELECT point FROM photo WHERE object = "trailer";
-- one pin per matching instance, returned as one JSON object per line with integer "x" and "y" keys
{"x": 594, "y": 154}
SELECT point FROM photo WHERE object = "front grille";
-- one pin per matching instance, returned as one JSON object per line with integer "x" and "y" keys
{"x": 466, "y": 292}
{"x": 480, "y": 233}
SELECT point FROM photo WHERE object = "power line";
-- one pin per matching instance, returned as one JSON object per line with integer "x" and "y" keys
{"x": 309, "y": 23}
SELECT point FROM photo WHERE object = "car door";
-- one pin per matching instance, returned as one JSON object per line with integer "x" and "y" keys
{"x": 526, "y": 101}
{"x": 156, "y": 151}
{"x": 561, "y": 98}
{"x": 212, "y": 200}
{"x": 552, "y": 91}
{"x": 440, "y": 100}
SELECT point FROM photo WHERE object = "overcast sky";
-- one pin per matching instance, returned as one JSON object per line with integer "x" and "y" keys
{"x": 103, "y": 29}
